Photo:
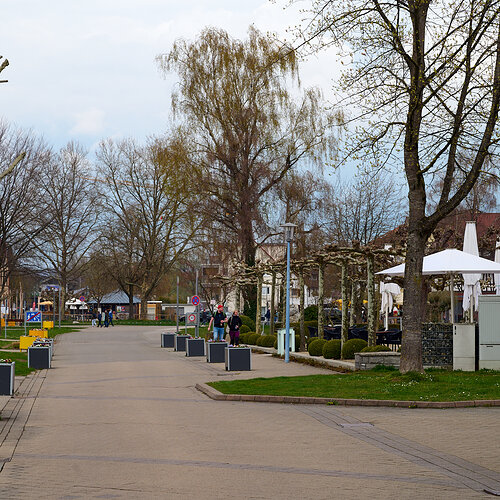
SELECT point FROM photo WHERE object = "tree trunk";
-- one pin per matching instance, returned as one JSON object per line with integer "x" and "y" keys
{"x": 237, "y": 298}
{"x": 302, "y": 327}
{"x": 131, "y": 305}
{"x": 411, "y": 351}
{"x": 258, "y": 323}
{"x": 321, "y": 291}
{"x": 352, "y": 317}
{"x": 345, "y": 306}
{"x": 372, "y": 303}
{"x": 272, "y": 311}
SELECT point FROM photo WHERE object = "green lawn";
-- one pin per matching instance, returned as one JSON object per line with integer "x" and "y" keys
{"x": 433, "y": 385}
{"x": 21, "y": 359}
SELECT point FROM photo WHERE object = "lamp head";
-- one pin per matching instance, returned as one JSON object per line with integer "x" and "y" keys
{"x": 289, "y": 230}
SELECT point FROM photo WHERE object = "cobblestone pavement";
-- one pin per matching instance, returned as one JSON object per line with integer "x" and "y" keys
{"x": 118, "y": 417}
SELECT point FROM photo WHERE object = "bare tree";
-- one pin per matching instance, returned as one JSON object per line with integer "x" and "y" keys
{"x": 246, "y": 130}
{"x": 152, "y": 217}
{"x": 423, "y": 82}
{"x": 70, "y": 205}
{"x": 21, "y": 215}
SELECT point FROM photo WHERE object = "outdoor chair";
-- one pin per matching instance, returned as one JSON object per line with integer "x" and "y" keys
{"x": 332, "y": 332}
{"x": 393, "y": 338}
{"x": 313, "y": 331}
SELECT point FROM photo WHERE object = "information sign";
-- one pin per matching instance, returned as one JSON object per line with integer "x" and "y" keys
{"x": 33, "y": 317}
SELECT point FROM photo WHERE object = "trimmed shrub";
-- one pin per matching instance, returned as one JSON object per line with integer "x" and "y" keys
{"x": 309, "y": 340}
{"x": 352, "y": 346}
{"x": 267, "y": 340}
{"x": 246, "y": 320}
{"x": 311, "y": 313}
{"x": 376, "y": 348}
{"x": 315, "y": 348}
{"x": 275, "y": 345}
{"x": 244, "y": 329}
{"x": 331, "y": 349}
{"x": 243, "y": 338}
{"x": 252, "y": 338}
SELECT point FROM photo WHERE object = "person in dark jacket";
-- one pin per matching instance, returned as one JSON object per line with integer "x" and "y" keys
{"x": 218, "y": 320}
{"x": 234, "y": 328}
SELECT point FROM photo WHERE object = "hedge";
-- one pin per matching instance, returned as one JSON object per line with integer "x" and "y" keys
{"x": 352, "y": 346}
{"x": 331, "y": 349}
{"x": 315, "y": 348}
{"x": 376, "y": 348}
{"x": 246, "y": 320}
{"x": 252, "y": 338}
{"x": 244, "y": 329}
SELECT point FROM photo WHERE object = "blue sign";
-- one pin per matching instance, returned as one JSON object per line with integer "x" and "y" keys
{"x": 195, "y": 300}
{"x": 33, "y": 317}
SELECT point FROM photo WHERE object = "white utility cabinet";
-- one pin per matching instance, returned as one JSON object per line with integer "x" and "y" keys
{"x": 464, "y": 347}
{"x": 489, "y": 332}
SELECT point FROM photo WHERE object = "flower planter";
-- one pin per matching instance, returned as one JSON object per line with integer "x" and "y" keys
{"x": 216, "y": 352}
{"x": 180, "y": 342}
{"x": 195, "y": 347}
{"x": 39, "y": 357}
{"x": 45, "y": 343}
{"x": 7, "y": 371}
{"x": 167, "y": 339}
{"x": 238, "y": 359}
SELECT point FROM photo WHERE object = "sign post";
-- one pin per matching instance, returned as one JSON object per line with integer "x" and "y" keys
{"x": 195, "y": 300}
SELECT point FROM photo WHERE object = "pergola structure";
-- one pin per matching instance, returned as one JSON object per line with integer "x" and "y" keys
{"x": 347, "y": 258}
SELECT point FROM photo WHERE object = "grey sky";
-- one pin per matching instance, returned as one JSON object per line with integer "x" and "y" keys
{"x": 85, "y": 71}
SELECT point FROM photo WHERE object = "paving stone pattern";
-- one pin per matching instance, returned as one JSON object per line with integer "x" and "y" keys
{"x": 119, "y": 417}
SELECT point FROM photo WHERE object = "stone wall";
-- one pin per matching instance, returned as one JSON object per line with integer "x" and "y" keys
{"x": 369, "y": 360}
{"x": 437, "y": 345}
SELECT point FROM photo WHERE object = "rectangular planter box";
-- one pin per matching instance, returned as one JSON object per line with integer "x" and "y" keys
{"x": 7, "y": 371}
{"x": 39, "y": 357}
{"x": 238, "y": 359}
{"x": 167, "y": 339}
{"x": 216, "y": 352}
{"x": 180, "y": 342}
{"x": 46, "y": 343}
{"x": 195, "y": 347}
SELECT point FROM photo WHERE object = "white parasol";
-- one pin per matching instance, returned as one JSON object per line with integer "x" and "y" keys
{"x": 389, "y": 291}
{"x": 472, "y": 287}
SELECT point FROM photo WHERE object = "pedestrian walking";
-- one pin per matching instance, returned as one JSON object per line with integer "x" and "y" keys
{"x": 218, "y": 320}
{"x": 106, "y": 318}
{"x": 111, "y": 317}
{"x": 234, "y": 325}
{"x": 94, "y": 319}
{"x": 99, "y": 319}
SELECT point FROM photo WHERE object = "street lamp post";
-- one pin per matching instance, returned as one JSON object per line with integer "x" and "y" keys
{"x": 289, "y": 230}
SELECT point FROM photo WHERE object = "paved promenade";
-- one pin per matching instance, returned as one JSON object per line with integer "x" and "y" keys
{"x": 118, "y": 417}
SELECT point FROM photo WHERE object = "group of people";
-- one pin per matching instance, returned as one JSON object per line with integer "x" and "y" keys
{"x": 219, "y": 319}
{"x": 101, "y": 319}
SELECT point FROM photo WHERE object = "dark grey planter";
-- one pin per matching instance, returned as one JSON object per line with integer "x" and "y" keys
{"x": 180, "y": 342}
{"x": 7, "y": 371}
{"x": 195, "y": 347}
{"x": 216, "y": 352}
{"x": 168, "y": 339}
{"x": 47, "y": 343}
{"x": 238, "y": 359}
{"x": 39, "y": 357}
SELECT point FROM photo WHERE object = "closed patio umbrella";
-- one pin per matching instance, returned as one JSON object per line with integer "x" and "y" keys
{"x": 472, "y": 287}
{"x": 497, "y": 259}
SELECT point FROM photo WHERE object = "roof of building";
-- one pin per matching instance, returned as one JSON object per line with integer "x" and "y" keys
{"x": 116, "y": 297}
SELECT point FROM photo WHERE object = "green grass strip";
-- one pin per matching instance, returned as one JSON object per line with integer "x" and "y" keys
{"x": 433, "y": 385}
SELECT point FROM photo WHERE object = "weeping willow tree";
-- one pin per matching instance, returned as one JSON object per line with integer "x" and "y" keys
{"x": 244, "y": 129}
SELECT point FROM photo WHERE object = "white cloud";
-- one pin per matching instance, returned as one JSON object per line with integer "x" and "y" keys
{"x": 88, "y": 122}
